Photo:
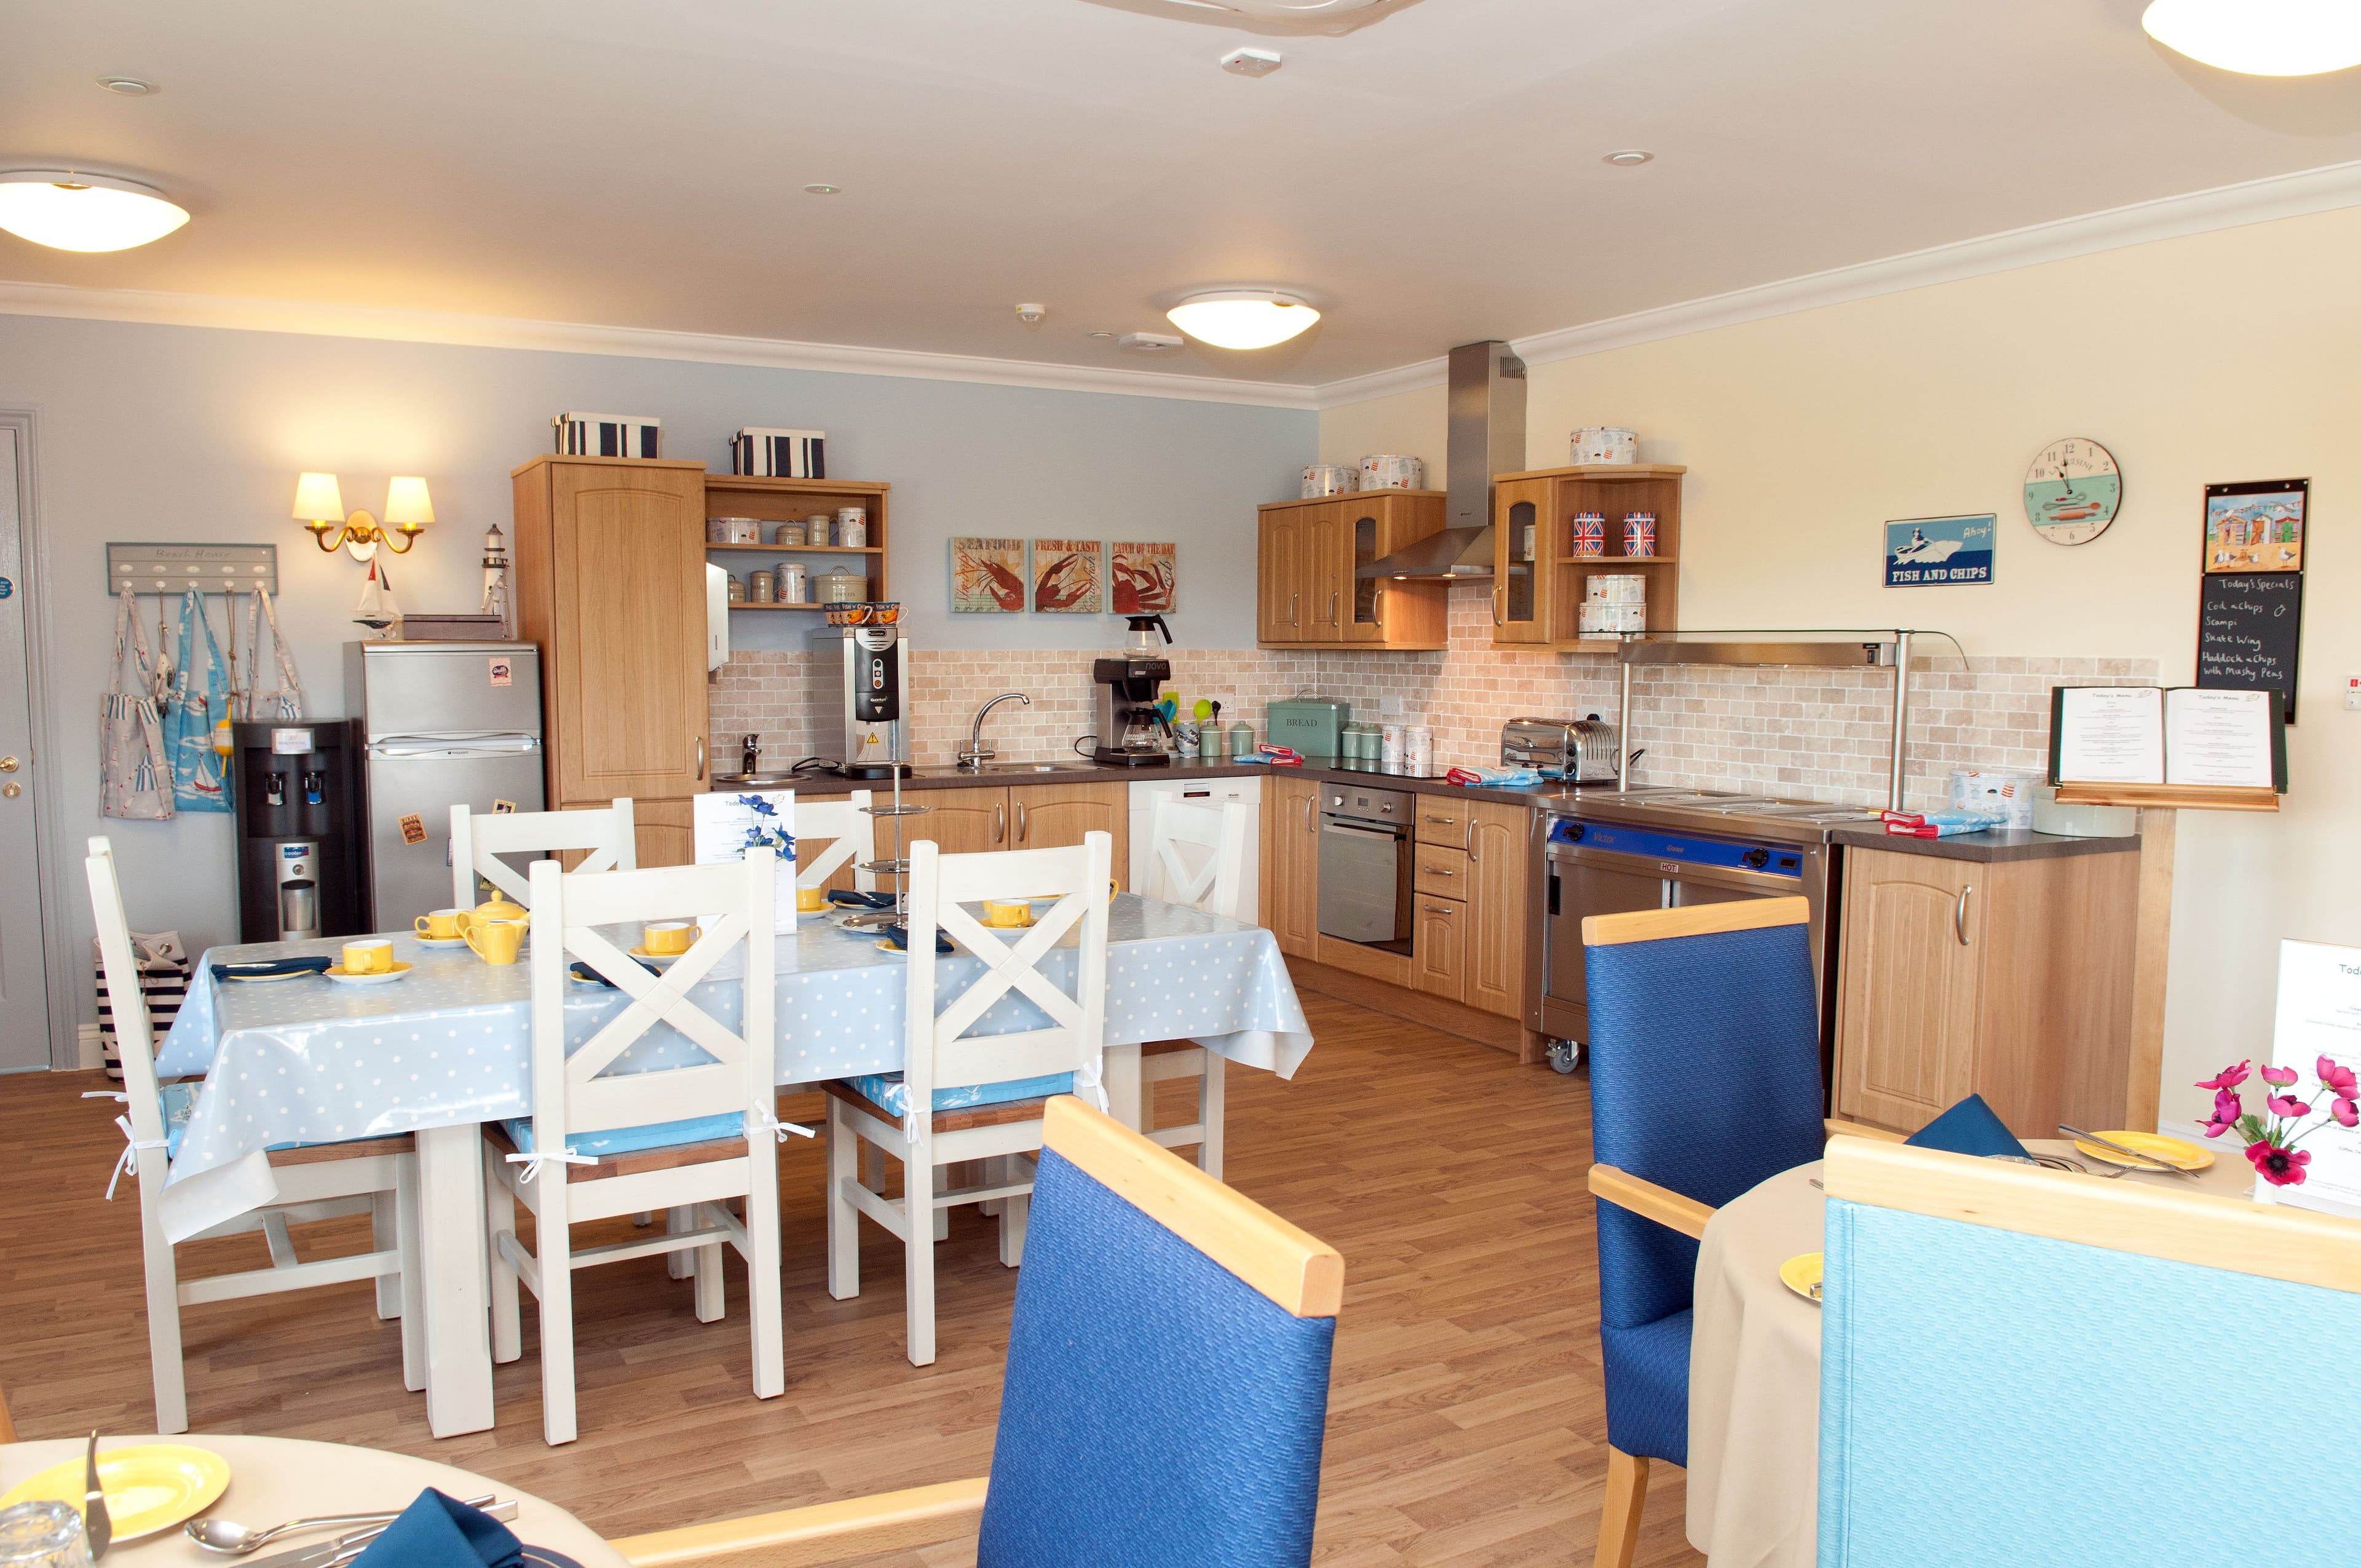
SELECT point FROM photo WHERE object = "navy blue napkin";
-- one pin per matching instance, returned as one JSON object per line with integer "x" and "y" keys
{"x": 1969, "y": 1127}
{"x": 436, "y": 1531}
{"x": 849, "y": 898}
{"x": 264, "y": 968}
{"x": 899, "y": 935}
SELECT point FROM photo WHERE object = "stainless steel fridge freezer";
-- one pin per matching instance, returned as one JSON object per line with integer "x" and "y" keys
{"x": 439, "y": 724}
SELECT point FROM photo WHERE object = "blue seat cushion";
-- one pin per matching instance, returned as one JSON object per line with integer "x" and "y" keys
{"x": 177, "y": 1100}
{"x": 887, "y": 1089}
{"x": 1648, "y": 1387}
{"x": 636, "y": 1140}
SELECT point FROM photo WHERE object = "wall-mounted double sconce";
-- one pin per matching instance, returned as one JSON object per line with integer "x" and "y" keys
{"x": 320, "y": 506}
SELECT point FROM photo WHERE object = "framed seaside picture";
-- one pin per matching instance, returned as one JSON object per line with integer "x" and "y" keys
{"x": 2256, "y": 527}
{"x": 1069, "y": 577}
{"x": 1142, "y": 579}
{"x": 987, "y": 577}
{"x": 1923, "y": 552}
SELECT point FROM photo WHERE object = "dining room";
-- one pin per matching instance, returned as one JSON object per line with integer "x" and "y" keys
{"x": 1475, "y": 798}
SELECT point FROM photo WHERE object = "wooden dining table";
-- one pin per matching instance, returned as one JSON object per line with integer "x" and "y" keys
{"x": 446, "y": 1049}
{"x": 1754, "y": 1361}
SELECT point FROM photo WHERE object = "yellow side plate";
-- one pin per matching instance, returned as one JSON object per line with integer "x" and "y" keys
{"x": 2172, "y": 1151}
{"x": 148, "y": 1488}
{"x": 1801, "y": 1274}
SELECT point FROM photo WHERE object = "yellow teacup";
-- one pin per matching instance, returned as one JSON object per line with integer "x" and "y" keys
{"x": 370, "y": 955}
{"x": 668, "y": 938}
{"x": 496, "y": 941}
{"x": 1008, "y": 911}
{"x": 439, "y": 925}
{"x": 811, "y": 900}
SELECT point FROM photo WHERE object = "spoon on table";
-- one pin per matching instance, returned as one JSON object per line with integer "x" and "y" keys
{"x": 234, "y": 1540}
{"x": 96, "y": 1528}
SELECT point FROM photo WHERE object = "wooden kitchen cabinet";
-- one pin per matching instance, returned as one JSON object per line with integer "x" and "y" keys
{"x": 958, "y": 821}
{"x": 610, "y": 583}
{"x": 1439, "y": 948}
{"x": 1497, "y": 877}
{"x": 1538, "y": 581}
{"x": 1052, "y": 815}
{"x": 1308, "y": 555}
{"x": 1291, "y": 854}
{"x": 2011, "y": 979}
{"x": 1439, "y": 871}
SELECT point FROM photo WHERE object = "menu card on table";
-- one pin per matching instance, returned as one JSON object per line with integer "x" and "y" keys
{"x": 2201, "y": 737}
{"x": 730, "y": 822}
{"x": 2319, "y": 1014}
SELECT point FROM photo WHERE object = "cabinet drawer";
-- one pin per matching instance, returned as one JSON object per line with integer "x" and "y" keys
{"x": 1440, "y": 871}
{"x": 1443, "y": 821}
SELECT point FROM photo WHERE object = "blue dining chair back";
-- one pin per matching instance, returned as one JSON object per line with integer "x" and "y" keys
{"x": 1704, "y": 1079}
{"x": 2020, "y": 1366}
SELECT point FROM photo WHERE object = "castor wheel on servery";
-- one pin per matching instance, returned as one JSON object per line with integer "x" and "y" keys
{"x": 1565, "y": 1055}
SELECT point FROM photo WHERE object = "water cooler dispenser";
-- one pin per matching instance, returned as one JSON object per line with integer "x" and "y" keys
{"x": 299, "y": 866}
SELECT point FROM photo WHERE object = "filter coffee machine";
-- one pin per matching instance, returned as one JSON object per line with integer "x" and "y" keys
{"x": 1132, "y": 730}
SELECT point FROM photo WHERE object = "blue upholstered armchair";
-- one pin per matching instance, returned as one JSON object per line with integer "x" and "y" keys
{"x": 1166, "y": 1395}
{"x": 1704, "y": 1079}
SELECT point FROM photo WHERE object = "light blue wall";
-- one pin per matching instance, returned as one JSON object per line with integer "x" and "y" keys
{"x": 154, "y": 433}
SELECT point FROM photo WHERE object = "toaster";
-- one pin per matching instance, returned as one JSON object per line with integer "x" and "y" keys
{"x": 1580, "y": 751}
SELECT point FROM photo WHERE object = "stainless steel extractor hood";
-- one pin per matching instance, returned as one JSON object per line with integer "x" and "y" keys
{"x": 1486, "y": 437}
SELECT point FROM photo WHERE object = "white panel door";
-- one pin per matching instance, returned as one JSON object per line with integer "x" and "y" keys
{"x": 24, "y": 983}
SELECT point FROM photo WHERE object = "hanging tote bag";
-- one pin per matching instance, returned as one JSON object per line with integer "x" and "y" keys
{"x": 199, "y": 783}
{"x": 135, "y": 779}
{"x": 163, "y": 968}
{"x": 260, "y": 706}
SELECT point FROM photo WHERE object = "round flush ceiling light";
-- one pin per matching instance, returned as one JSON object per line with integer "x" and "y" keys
{"x": 2260, "y": 37}
{"x": 1629, "y": 157}
{"x": 127, "y": 86}
{"x": 66, "y": 210}
{"x": 822, "y": 190}
{"x": 1242, "y": 318}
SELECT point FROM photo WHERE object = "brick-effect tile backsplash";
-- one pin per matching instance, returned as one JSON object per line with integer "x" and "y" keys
{"x": 1814, "y": 732}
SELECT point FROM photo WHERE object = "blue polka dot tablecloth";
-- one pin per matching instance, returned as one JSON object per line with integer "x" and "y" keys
{"x": 310, "y": 1060}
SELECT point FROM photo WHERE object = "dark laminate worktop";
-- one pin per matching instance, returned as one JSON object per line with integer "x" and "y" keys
{"x": 2004, "y": 844}
{"x": 1021, "y": 774}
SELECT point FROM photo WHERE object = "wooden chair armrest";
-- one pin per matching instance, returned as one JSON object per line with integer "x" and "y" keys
{"x": 824, "y": 1532}
{"x": 1863, "y": 1130}
{"x": 1649, "y": 1200}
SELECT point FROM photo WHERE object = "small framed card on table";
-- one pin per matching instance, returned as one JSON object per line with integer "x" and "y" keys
{"x": 730, "y": 823}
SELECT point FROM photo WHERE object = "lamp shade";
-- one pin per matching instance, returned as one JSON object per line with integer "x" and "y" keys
{"x": 70, "y": 211}
{"x": 406, "y": 503}
{"x": 2260, "y": 37}
{"x": 318, "y": 499}
{"x": 1243, "y": 318}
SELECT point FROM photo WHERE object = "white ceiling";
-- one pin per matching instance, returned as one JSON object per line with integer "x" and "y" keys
{"x": 1430, "y": 177}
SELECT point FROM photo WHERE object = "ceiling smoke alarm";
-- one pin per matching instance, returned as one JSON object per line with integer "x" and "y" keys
{"x": 1250, "y": 61}
{"x": 1148, "y": 342}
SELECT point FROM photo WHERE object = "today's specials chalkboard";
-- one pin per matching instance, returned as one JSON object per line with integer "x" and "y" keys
{"x": 2248, "y": 624}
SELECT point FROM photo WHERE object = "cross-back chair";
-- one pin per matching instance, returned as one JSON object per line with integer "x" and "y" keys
{"x": 478, "y": 840}
{"x": 849, "y": 834}
{"x": 964, "y": 1096}
{"x": 316, "y": 1181}
{"x": 686, "y": 1131}
{"x": 1196, "y": 857}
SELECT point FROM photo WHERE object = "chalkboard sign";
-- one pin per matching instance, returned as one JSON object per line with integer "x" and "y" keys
{"x": 2248, "y": 624}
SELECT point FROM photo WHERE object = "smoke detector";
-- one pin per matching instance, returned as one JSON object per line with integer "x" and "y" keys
{"x": 1148, "y": 342}
{"x": 1031, "y": 315}
{"x": 1251, "y": 62}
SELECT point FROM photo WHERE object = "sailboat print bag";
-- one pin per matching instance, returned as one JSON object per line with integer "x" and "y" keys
{"x": 261, "y": 705}
{"x": 198, "y": 781}
{"x": 135, "y": 781}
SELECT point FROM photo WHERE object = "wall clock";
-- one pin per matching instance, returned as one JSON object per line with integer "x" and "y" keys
{"x": 2072, "y": 491}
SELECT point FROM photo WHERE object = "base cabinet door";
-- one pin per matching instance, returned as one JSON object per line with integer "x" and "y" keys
{"x": 664, "y": 831}
{"x": 1438, "y": 948}
{"x": 1294, "y": 859}
{"x": 1052, "y": 816}
{"x": 1909, "y": 1012}
{"x": 960, "y": 821}
{"x": 1497, "y": 879}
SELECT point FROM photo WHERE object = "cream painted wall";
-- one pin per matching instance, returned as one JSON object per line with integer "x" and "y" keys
{"x": 2221, "y": 357}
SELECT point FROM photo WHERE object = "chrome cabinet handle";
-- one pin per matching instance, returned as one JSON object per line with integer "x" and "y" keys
{"x": 1960, "y": 915}
{"x": 1440, "y": 909}
{"x": 700, "y": 759}
{"x": 1000, "y": 823}
{"x": 1496, "y": 608}
{"x": 1334, "y": 599}
{"x": 1291, "y": 598}
{"x": 1438, "y": 870}
{"x": 1021, "y": 826}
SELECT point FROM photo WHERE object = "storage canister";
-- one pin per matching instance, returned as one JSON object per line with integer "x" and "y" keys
{"x": 762, "y": 588}
{"x": 841, "y": 588}
{"x": 733, "y": 530}
{"x": 1605, "y": 444}
{"x": 1329, "y": 479}
{"x": 791, "y": 535}
{"x": 1418, "y": 748}
{"x": 1589, "y": 533}
{"x": 1389, "y": 747}
{"x": 819, "y": 529}
{"x": 851, "y": 526}
{"x": 737, "y": 588}
{"x": 795, "y": 585}
{"x": 1391, "y": 471}
{"x": 1617, "y": 587}
{"x": 1639, "y": 534}
{"x": 1242, "y": 738}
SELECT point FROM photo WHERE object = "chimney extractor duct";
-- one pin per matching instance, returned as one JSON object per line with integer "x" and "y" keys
{"x": 1486, "y": 437}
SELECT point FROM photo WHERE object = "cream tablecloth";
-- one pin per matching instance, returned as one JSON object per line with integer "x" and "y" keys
{"x": 1754, "y": 1368}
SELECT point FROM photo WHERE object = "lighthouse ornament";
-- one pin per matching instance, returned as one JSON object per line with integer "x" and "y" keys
{"x": 496, "y": 577}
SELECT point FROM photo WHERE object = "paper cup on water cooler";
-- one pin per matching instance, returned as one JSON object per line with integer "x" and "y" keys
{"x": 1330, "y": 479}
{"x": 1391, "y": 471}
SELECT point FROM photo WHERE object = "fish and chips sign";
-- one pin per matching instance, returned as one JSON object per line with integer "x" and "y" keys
{"x": 1926, "y": 552}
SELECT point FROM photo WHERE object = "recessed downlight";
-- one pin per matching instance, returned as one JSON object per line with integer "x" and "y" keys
{"x": 823, "y": 190}
{"x": 1629, "y": 158}
{"x": 129, "y": 86}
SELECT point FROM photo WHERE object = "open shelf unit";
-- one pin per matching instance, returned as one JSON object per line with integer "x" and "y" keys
{"x": 1540, "y": 581}
{"x": 774, "y": 501}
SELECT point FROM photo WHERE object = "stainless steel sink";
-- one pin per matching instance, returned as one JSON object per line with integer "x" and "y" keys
{"x": 1075, "y": 767}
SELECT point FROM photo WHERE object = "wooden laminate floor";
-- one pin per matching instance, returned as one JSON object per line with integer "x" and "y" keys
{"x": 1466, "y": 1425}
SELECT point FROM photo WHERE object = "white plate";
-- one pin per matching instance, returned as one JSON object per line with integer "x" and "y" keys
{"x": 441, "y": 941}
{"x": 662, "y": 961}
{"x": 336, "y": 973}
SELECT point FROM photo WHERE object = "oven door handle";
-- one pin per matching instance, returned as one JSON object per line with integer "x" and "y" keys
{"x": 1391, "y": 835}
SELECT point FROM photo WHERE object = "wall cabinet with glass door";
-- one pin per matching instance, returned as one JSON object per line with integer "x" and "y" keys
{"x": 1309, "y": 554}
{"x": 1541, "y": 572}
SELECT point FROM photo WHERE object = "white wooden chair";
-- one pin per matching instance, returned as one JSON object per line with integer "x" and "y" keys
{"x": 317, "y": 1181}
{"x": 850, "y": 833}
{"x": 687, "y": 1138}
{"x": 478, "y": 842}
{"x": 1197, "y": 857}
{"x": 971, "y": 1097}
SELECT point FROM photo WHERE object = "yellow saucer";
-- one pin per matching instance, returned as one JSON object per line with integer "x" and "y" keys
{"x": 1801, "y": 1274}
{"x": 370, "y": 977}
{"x": 2172, "y": 1151}
{"x": 148, "y": 1488}
{"x": 659, "y": 958}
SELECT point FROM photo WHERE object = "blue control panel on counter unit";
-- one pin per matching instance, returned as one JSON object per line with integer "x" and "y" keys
{"x": 1647, "y": 843}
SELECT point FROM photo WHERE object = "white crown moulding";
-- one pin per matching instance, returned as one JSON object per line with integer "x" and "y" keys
{"x": 2170, "y": 218}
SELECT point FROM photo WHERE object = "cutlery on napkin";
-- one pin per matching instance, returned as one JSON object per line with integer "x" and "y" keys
{"x": 262, "y": 967}
{"x": 429, "y": 1539}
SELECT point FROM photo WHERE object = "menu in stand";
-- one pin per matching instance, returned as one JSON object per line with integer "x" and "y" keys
{"x": 2319, "y": 1015}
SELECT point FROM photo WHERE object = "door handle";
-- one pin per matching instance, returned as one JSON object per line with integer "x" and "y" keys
{"x": 7, "y": 764}
{"x": 11, "y": 789}
{"x": 1000, "y": 823}
{"x": 1291, "y": 598}
{"x": 1438, "y": 870}
{"x": 1332, "y": 600}
{"x": 1022, "y": 828}
{"x": 1377, "y": 605}
{"x": 1438, "y": 909}
{"x": 1496, "y": 607}
{"x": 700, "y": 759}
{"x": 1960, "y": 915}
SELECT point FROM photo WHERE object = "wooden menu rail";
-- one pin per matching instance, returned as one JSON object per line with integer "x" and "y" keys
{"x": 2198, "y": 796}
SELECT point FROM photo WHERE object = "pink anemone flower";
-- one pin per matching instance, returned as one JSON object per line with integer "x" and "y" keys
{"x": 2229, "y": 1077}
{"x": 2280, "y": 1167}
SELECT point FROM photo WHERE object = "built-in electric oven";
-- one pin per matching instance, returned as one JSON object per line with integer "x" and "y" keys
{"x": 1365, "y": 866}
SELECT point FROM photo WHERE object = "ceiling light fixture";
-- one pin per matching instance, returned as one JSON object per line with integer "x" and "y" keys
{"x": 1629, "y": 158}
{"x": 822, "y": 190}
{"x": 2260, "y": 37}
{"x": 127, "y": 86}
{"x": 66, "y": 210}
{"x": 1242, "y": 318}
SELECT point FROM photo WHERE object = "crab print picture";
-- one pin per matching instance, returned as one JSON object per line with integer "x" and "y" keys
{"x": 1142, "y": 579}
{"x": 987, "y": 577}
{"x": 1069, "y": 577}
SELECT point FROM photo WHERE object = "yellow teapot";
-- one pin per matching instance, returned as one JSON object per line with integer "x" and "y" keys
{"x": 496, "y": 908}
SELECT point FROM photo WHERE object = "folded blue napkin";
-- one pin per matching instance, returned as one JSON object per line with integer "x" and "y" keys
{"x": 850, "y": 898}
{"x": 436, "y": 1531}
{"x": 899, "y": 935}
{"x": 1969, "y": 1127}
{"x": 264, "y": 968}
